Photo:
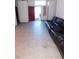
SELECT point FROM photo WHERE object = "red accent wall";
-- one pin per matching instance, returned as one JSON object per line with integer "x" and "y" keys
{"x": 31, "y": 13}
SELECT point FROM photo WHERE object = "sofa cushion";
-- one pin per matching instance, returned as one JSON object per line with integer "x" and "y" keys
{"x": 53, "y": 19}
{"x": 57, "y": 21}
{"x": 60, "y": 22}
{"x": 56, "y": 28}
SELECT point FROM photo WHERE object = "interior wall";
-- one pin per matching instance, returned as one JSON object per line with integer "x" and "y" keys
{"x": 51, "y": 9}
{"x": 15, "y": 21}
{"x": 16, "y": 3}
{"x": 31, "y": 2}
{"x": 23, "y": 11}
{"x": 60, "y": 8}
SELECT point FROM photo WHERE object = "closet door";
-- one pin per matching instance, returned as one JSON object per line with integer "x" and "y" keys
{"x": 31, "y": 13}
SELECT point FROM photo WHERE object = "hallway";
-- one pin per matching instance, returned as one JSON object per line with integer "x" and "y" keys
{"x": 34, "y": 42}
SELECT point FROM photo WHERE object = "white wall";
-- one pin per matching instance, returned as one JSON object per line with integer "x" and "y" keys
{"x": 16, "y": 2}
{"x": 60, "y": 8}
{"x": 31, "y": 2}
{"x": 23, "y": 11}
{"x": 51, "y": 9}
{"x": 15, "y": 21}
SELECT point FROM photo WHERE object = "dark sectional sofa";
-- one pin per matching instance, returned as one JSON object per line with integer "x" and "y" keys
{"x": 56, "y": 30}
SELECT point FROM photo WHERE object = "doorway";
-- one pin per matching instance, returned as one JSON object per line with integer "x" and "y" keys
{"x": 37, "y": 13}
{"x": 31, "y": 13}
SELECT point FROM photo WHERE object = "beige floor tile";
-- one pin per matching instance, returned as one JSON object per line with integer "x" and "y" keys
{"x": 34, "y": 42}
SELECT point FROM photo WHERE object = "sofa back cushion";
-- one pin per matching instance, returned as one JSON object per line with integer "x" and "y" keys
{"x": 53, "y": 19}
{"x": 58, "y": 21}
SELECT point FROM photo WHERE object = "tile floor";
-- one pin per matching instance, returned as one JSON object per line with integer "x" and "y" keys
{"x": 34, "y": 42}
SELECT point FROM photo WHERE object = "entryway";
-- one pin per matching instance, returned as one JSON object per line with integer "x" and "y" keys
{"x": 37, "y": 13}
